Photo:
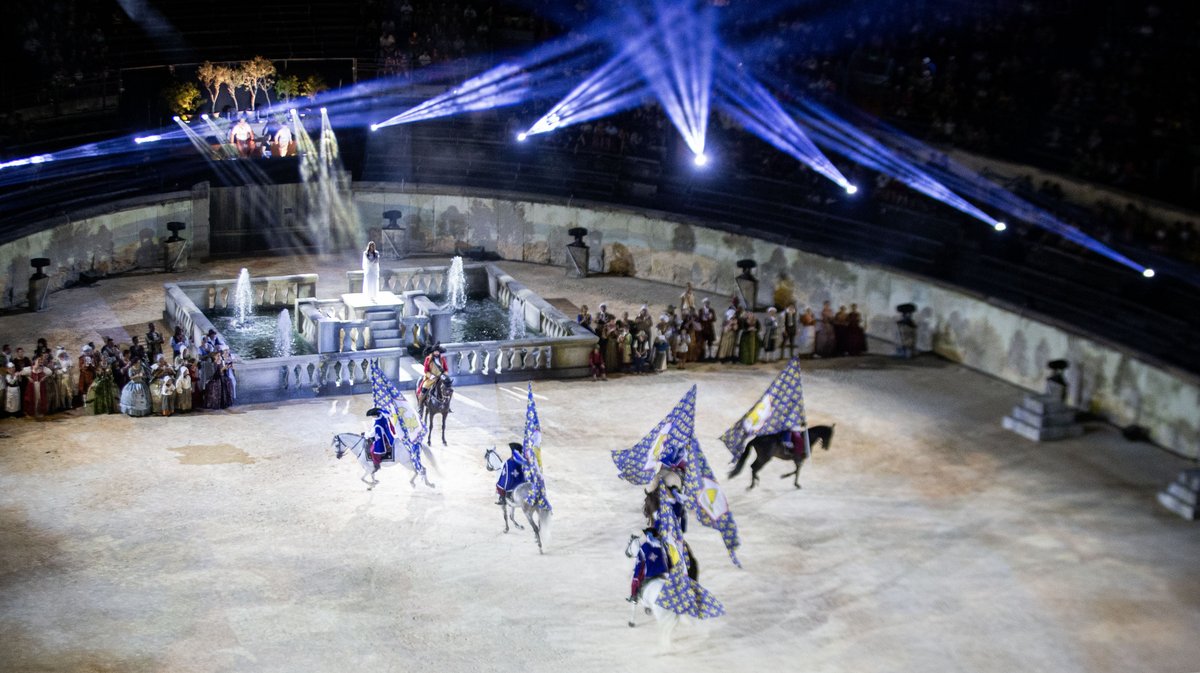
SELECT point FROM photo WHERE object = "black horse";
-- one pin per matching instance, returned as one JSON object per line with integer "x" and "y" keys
{"x": 767, "y": 447}
{"x": 436, "y": 400}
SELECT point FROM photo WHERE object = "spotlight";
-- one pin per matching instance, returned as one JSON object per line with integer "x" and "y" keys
{"x": 176, "y": 117}
{"x": 851, "y": 190}
{"x": 1000, "y": 226}
{"x": 1148, "y": 272}
{"x": 322, "y": 110}
{"x": 204, "y": 116}
{"x": 374, "y": 127}
{"x": 522, "y": 136}
{"x": 147, "y": 139}
{"x": 701, "y": 159}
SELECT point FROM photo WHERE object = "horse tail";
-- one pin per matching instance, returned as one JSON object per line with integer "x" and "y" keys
{"x": 741, "y": 461}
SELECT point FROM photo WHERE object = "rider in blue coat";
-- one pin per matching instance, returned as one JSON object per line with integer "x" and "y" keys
{"x": 512, "y": 474}
{"x": 652, "y": 561}
{"x": 385, "y": 438}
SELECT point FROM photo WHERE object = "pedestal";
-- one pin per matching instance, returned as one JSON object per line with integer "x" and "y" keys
{"x": 176, "y": 255}
{"x": 748, "y": 291}
{"x": 39, "y": 289}
{"x": 393, "y": 242}
{"x": 577, "y": 260}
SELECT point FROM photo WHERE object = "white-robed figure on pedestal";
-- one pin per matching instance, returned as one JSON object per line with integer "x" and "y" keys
{"x": 370, "y": 267}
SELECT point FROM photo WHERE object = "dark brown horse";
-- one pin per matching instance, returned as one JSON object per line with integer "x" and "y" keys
{"x": 767, "y": 447}
{"x": 436, "y": 400}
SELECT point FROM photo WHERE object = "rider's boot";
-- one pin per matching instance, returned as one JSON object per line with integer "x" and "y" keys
{"x": 500, "y": 499}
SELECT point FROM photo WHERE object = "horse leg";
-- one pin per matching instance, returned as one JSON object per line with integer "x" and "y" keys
{"x": 504, "y": 513}
{"x": 444, "y": 414}
{"x": 633, "y": 606}
{"x": 796, "y": 481}
{"x": 512, "y": 515}
{"x": 537, "y": 531}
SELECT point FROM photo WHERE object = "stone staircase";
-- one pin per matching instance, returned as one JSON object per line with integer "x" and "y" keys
{"x": 385, "y": 328}
{"x": 1044, "y": 417}
{"x": 1181, "y": 495}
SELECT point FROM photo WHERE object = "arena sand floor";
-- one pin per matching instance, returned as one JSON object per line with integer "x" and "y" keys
{"x": 926, "y": 539}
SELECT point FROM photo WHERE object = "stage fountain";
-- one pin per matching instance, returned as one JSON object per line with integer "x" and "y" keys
{"x": 456, "y": 285}
{"x": 516, "y": 320}
{"x": 243, "y": 300}
{"x": 283, "y": 335}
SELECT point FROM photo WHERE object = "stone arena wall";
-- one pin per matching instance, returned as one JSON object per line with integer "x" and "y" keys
{"x": 988, "y": 336}
{"x": 119, "y": 237}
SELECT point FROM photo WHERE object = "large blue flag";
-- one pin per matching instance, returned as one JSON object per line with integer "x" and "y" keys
{"x": 672, "y": 443}
{"x": 531, "y": 449}
{"x": 780, "y": 408}
{"x": 667, "y": 444}
{"x": 707, "y": 500}
{"x": 404, "y": 417}
{"x": 681, "y": 595}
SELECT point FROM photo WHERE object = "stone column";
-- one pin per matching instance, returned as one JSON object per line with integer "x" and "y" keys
{"x": 39, "y": 284}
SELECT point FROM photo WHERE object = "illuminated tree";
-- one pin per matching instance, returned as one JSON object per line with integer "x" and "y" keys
{"x": 230, "y": 78}
{"x": 183, "y": 98}
{"x": 209, "y": 77}
{"x": 313, "y": 85}
{"x": 288, "y": 87}
{"x": 255, "y": 74}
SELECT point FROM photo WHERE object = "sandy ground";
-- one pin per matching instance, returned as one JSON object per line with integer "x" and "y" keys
{"x": 926, "y": 539}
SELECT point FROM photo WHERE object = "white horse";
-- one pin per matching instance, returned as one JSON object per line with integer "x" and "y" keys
{"x": 359, "y": 445}
{"x": 647, "y": 598}
{"x": 517, "y": 497}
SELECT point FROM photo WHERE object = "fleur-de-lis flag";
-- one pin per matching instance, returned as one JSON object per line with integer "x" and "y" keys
{"x": 681, "y": 595}
{"x": 403, "y": 415}
{"x": 531, "y": 450}
{"x": 780, "y": 408}
{"x": 667, "y": 444}
{"x": 673, "y": 443}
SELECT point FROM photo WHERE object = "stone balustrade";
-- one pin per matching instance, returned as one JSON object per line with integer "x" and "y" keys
{"x": 429, "y": 280}
{"x": 268, "y": 291}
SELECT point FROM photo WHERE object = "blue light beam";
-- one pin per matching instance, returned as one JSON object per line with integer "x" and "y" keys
{"x": 677, "y": 64}
{"x": 838, "y": 135}
{"x": 752, "y": 106}
{"x": 611, "y": 88}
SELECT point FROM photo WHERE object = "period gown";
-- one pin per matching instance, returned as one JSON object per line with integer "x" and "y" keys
{"x": 135, "y": 396}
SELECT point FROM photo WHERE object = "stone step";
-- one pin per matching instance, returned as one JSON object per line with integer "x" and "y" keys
{"x": 396, "y": 342}
{"x": 384, "y": 324}
{"x": 1183, "y": 494}
{"x": 1039, "y": 434}
{"x": 1043, "y": 404}
{"x": 1176, "y": 505}
{"x": 379, "y": 314}
{"x": 378, "y": 334}
{"x": 1055, "y": 419}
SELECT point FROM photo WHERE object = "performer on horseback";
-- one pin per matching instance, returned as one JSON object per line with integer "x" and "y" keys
{"x": 652, "y": 561}
{"x": 435, "y": 366}
{"x": 512, "y": 474}
{"x": 794, "y": 440}
{"x": 385, "y": 437}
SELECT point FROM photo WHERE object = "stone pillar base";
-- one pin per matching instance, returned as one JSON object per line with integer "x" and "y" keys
{"x": 176, "y": 255}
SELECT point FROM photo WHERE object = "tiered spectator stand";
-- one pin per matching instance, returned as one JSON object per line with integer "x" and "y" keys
{"x": 1182, "y": 495}
{"x": 1045, "y": 417}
